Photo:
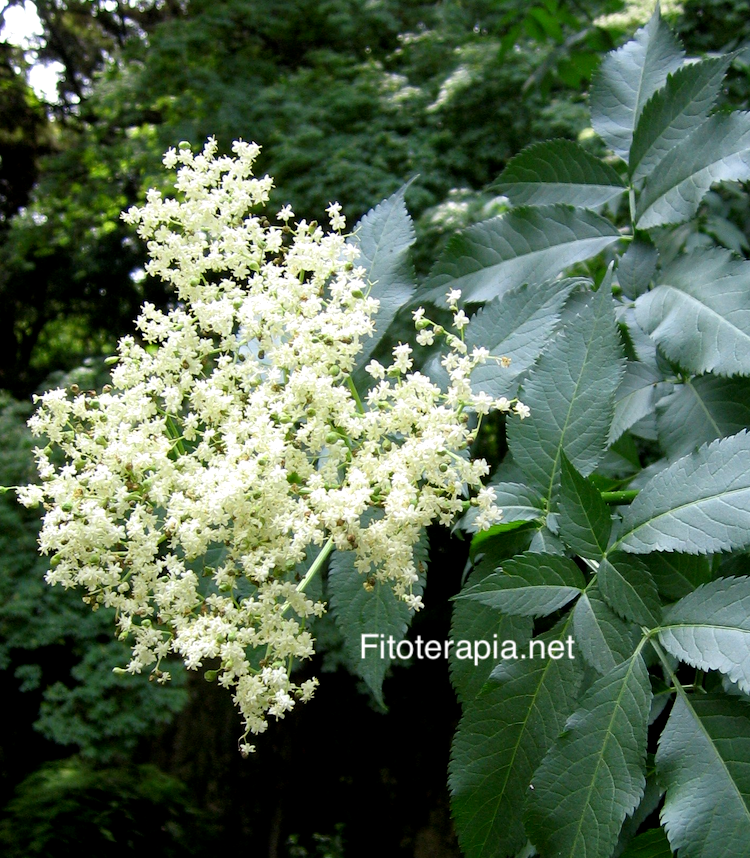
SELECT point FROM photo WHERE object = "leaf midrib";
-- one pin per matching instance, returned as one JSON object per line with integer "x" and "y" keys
{"x": 714, "y": 313}
{"x": 522, "y": 731}
{"x": 600, "y": 756}
{"x": 519, "y": 257}
{"x": 559, "y": 450}
{"x": 661, "y": 190}
{"x": 673, "y": 510}
{"x": 713, "y": 747}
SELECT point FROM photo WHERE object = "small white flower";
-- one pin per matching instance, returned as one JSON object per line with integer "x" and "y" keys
{"x": 402, "y": 357}
{"x": 453, "y": 297}
{"x": 375, "y": 369}
{"x": 338, "y": 221}
{"x": 460, "y": 320}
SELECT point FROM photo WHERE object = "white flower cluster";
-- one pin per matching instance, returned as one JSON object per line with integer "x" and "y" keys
{"x": 232, "y": 441}
{"x": 636, "y": 13}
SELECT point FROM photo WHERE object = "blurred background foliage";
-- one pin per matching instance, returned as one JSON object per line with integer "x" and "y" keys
{"x": 350, "y": 99}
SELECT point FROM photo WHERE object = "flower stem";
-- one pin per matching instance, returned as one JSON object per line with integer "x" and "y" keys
{"x": 355, "y": 394}
{"x": 318, "y": 563}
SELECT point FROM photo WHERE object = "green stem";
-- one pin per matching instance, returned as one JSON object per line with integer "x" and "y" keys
{"x": 355, "y": 393}
{"x": 676, "y": 684}
{"x": 617, "y": 498}
{"x": 174, "y": 433}
{"x": 315, "y": 568}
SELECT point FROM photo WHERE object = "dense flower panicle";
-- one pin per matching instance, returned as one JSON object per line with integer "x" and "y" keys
{"x": 232, "y": 440}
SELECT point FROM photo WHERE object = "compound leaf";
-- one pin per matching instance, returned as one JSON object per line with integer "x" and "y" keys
{"x": 558, "y": 171}
{"x": 570, "y": 393}
{"x": 700, "y": 316}
{"x": 627, "y": 78}
{"x": 593, "y": 776}
{"x": 501, "y": 738}
{"x": 525, "y": 245}
{"x": 700, "y": 504}
{"x": 718, "y": 150}
{"x": 702, "y": 762}
{"x": 530, "y": 585}
{"x": 710, "y": 629}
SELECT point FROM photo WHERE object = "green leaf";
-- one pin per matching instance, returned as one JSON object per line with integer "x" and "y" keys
{"x": 501, "y": 738}
{"x": 627, "y": 585}
{"x": 491, "y": 549}
{"x": 700, "y": 317}
{"x": 718, "y": 150}
{"x": 675, "y": 111}
{"x": 545, "y": 542}
{"x": 570, "y": 394}
{"x": 585, "y": 520}
{"x": 593, "y": 776}
{"x": 358, "y": 612}
{"x": 627, "y": 78}
{"x": 700, "y": 504}
{"x": 525, "y": 245}
{"x": 636, "y": 267}
{"x": 473, "y": 622}
{"x": 701, "y": 410}
{"x": 650, "y": 844}
{"x": 519, "y": 504}
{"x": 652, "y": 795}
{"x": 710, "y": 629}
{"x": 702, "y": 324}
{"x": 702, "y": 761}
{"x": 558, "y": 171}
{"x": 384, "y": 236}
{"x": 517, "y": 325}
{"x": 602, "y": 637}
{"x": 675, "y": 574}
{"x": 531, "y": 585}
{"x": 635, "y": 397}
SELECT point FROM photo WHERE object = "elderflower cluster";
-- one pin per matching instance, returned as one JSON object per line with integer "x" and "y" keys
{"x": 636, "y": 13}
{"x": 232, "y": 444}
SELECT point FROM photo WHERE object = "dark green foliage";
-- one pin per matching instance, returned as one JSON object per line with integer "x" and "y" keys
{"x": 349, "y": 99}
{"x": 361, "y": 607}
{"x": 68, "y": 807}
{"x": 647, "y": 608}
